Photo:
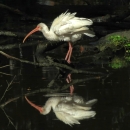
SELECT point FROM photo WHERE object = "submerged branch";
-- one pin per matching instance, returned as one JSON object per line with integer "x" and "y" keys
{"x": 51, "y": 63}
{"x": 79, "y": 81}
{"x": 48, "y": 90}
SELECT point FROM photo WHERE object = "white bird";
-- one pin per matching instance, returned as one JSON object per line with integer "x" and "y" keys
{"x": 68, "y": 109}
{"x": 66, "y": 27}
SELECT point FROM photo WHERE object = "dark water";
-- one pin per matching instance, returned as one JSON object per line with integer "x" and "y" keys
{"x": 112, "y": 92}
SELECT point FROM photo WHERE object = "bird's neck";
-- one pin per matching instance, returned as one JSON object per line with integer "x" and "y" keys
{"x": 51, "y": 103}
{"x": 48, "y": 34}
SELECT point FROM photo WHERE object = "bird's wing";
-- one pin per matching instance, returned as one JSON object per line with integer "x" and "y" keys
{"x": 65, "y": 112}
{"x": 67, "y": 24}
{"x": 66, "y": 118}
{"x": 71, "y": 114}
{"x": 81, "y": 106}
{"x": 85, "y": 106}
{"x": 61, "y": 20}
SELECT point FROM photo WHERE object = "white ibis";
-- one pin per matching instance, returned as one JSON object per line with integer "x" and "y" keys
{"x": 68, "y": 109}
{"x": 66, "y": 27}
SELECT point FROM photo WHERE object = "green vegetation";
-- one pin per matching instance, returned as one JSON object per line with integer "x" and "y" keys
{"x": 118, "y": 40}
{"x": 118, "y": 63}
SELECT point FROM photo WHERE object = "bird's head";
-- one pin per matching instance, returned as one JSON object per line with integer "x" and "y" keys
{"x": 39, "y": 27}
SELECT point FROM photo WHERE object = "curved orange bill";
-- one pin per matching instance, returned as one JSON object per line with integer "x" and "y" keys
{"x": 40, "y": 109}
{"x": 33, "y": 31}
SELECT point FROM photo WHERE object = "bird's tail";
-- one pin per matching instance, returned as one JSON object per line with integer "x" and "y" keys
{"x": 91, "y": 102}
{"x": 89, "y": 33}
{"x": 85, "y": 115}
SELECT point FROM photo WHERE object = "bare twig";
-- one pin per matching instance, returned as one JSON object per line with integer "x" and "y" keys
{"x": 7, "y": 88}
{"x": 19, "y": 34}
{"x": 2, "y": 105}
{"x": 5, "y": 74}
{"x": 4, "y": 66}
{"x": 7, "y": 33}
{"x": 11, "y": 9}
{"x": 9, "y": 101}
{"x": 9, "y": 119}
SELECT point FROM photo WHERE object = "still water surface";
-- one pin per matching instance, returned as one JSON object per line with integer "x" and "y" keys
{"x": 112, "y": 92}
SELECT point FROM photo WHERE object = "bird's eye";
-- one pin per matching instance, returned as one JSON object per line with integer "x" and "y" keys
{"x": 41, "y": 28}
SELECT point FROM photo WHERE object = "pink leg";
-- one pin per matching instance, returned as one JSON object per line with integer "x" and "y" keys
{"x": 71, "y": 89}
{"x": 68, "y": 79}
{"x": 68, "y": 55}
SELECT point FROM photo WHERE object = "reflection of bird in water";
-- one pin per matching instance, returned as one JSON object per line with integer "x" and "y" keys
{"x": 68, "y": 79}
{"x": 65, "y": 27}
{"x": 69, "y": 109}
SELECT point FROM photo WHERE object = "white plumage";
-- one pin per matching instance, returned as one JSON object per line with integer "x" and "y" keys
{"x": 66, "y": 27}
{"x": 69, "y": 109}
